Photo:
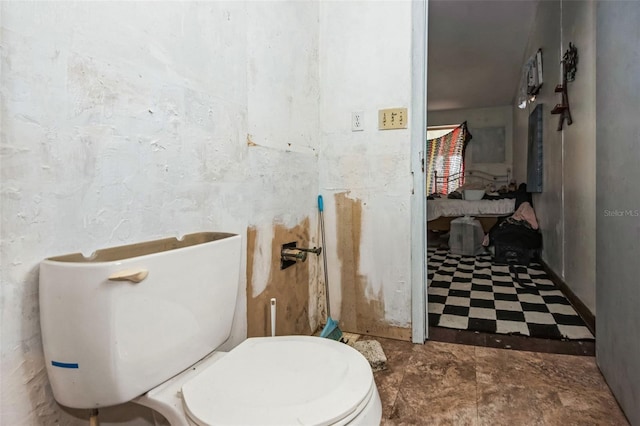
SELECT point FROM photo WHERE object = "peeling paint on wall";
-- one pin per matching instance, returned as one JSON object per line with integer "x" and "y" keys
{"x": 290, "y": 286}
{"x": 121, "y": 124}
{"x": 369, "y": 256}
{"x": 362, "y": 309}
{"x": 250, "y": 142}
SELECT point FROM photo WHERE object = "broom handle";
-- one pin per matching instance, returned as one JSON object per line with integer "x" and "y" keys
{"x": 324, "y": 255}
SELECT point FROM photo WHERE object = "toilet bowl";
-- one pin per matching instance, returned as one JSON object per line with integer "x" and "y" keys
{"x": 143, "y": 323}
{"x": 287, "y": 380}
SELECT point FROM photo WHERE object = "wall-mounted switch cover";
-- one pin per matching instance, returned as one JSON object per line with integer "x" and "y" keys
{"x": 357, "y": 121}
{"x": 392, "y": 118}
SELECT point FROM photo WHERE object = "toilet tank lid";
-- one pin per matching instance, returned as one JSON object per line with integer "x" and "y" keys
{"x": 281, "y": 380}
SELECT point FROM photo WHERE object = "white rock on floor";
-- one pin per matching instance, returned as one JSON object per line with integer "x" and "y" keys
{"x": 372, "y": 351}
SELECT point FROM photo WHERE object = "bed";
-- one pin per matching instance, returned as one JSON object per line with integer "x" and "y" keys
{"x": 441, "y": 211}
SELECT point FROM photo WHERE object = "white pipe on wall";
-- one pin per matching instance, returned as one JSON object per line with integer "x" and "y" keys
{"x": 273, "y": 316}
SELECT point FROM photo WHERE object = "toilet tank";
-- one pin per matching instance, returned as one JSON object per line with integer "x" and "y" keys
{"x": 108, "y": 339}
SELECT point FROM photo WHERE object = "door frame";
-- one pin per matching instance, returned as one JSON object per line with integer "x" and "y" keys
{"x": 419, "y": 317}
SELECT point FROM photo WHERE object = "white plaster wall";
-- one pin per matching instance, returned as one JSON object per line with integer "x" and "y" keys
{"x": 579, "y": 143}
{"x": 283, "y": 75}
{"x": 124, "y": 122}
{"x": 366, "y": 66}
{"x": 283, "y": 95}
{"x": 548, "y": 204}
{"x": 478, "y": 118}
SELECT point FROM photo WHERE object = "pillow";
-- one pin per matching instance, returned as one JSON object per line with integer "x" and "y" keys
{"x": 526, "y": 212}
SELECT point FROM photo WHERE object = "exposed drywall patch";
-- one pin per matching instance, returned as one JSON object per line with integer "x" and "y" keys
{"x": 290, "y": 286}
{"x": 362, "y": 310}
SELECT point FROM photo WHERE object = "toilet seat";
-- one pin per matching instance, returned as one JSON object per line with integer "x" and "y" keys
{"x": 281, "y": 381}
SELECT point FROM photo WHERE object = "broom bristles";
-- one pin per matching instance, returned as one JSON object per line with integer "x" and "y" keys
{"x": 331, "y": 330}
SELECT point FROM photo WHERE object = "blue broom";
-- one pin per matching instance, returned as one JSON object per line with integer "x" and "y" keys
{"x": 331, "y": 329}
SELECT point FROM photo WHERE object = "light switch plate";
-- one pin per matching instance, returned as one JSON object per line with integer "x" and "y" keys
{"x": 392, "y": 118}
{"x": 357, "y": 121}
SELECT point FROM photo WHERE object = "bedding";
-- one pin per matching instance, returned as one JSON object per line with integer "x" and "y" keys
{"x": 444, "y": 207}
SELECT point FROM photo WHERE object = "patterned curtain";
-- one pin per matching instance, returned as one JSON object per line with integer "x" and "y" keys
{"x": 445, "y": 160}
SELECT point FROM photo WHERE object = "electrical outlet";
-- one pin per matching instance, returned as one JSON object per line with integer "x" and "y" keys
{"x": 392, "y": 118}
{"x": 357, "y": 121}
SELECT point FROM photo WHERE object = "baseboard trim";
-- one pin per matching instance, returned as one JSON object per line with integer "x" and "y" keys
{"x": 582, "y": 310}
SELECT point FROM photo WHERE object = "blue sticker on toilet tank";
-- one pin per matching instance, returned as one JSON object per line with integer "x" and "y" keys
{"x": 64, "y": 364}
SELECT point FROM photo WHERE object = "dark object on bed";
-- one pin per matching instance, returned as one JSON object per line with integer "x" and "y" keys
{"x": 500, "y": 195}
{"x": 521, "y": 195}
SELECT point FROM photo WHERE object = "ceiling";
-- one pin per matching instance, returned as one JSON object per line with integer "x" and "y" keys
{"x": 476, "y": 51}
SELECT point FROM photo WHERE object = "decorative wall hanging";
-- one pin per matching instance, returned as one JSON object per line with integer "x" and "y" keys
{"x": 530, "y": 80}
{"x": 569, "y": 67}
{"x": 535, "y": 74}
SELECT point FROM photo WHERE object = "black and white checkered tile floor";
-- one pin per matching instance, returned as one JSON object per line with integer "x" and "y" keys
{"x": 471, "y": 293}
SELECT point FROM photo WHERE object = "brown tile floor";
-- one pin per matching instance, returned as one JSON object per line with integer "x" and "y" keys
{"x": 452, "y": 384}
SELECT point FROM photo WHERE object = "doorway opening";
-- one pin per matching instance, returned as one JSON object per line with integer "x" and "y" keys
{"x": 475, "y": 54}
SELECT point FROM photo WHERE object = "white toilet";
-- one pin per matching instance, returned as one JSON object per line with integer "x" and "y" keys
{"x": 142, "y": 323}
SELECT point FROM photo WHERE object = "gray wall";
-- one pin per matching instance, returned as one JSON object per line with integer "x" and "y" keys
{"x": 548, "y": 204}
{"x": 579, "y": 146}
{"x": 618, "y": 200}
{"x": 566, "y": 206}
